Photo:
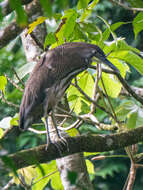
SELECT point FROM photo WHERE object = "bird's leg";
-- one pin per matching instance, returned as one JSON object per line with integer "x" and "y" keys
{"x": 62, "y": 139}
{"x": 55, "y": 124}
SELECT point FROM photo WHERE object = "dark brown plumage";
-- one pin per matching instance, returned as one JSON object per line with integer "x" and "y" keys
{"x": 52, "y": 76}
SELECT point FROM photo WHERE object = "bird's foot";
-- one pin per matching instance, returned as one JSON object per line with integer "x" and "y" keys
{"x": 64, "y": 142}
{"x": 60, "y": 143}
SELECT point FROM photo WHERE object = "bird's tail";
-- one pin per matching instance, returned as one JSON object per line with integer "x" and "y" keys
{"x": 25, "y": 120}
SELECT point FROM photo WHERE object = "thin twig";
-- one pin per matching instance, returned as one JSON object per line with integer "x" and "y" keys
{"x": 94, "y": 97}
{"x": 91, "y": 100}
{"x": 139, "y": 165}
{"x": 76, "y": 124}
{"x": 14, "y": 84}
{"x": 8, "y": 102}
{"x": 18, "y": 77}
{"x": 115, "y": 117}
{"x": 8, "y": 185}
{"x": 38, "y": 43}
{"x": 126, "y": 7}
{"x": 123, "y": 82}
{"x": 45, "y": 177}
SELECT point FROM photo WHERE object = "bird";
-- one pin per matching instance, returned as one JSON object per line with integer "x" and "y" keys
{"x": 50, "y": 78}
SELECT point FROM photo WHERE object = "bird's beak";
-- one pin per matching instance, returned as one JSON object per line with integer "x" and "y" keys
{"x": 109, "y": 64}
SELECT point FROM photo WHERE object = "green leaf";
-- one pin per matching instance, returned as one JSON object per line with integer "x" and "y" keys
{"x": 82, "y": 4}
{"x": 131, "y": 123}
{"x": 90, "y": 153}
{"x": 27, "y": 173}
{"x": 88, "y": 10}
{"x": 3, "y": 83}
{"x": 21, "y": 15}
{"x": 78, "y": 33}
{"x": 109, "y": 28}
{"x": 109, "y": 170}
{"x": 90, "y": 167}
{"x": 14, "y": 121}
{"x": 47, "y": 6}
{"x": 131, "y": 113}
{"x": 125, "y": 53}
{"x": 72, "y": 177}
{"x": 113, "y": 27}
{"x": 33, "y": 25}
{"x": 49, "y": 170}
{"x": 66, "y": 26}
{"x": 73, "y": 132}
{"x": 138, "y": 23}
{"x": 70, "y": 24}
{"x": 10, "y": 164}
{"x": 131, "y": 58}
{"x": 50, "y": 39}
{"x": 112, "y": 85}
{"x": 121, "y": 46}
{"x": 1, "y": 132}
{"x": 123, "y": 67}
{"x": 86, "y": 82}
{"x": 1, "y": 15}
{"x": 124, "y": 109}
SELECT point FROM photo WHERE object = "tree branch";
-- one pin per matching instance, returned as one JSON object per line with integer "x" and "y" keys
{"x": 13, "y": 30}
{"x": 85, "y": 143}
{"x": 6, "y": 9}
{"x": 126, "y": 7}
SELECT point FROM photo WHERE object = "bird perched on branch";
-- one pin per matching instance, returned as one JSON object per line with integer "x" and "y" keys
{"x": 51, "y": 77}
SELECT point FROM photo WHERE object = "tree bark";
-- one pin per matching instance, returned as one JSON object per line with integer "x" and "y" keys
{"x": 84, "y": 143}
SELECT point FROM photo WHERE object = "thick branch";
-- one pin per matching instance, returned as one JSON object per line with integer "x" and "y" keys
{"x": 6, "y": 9}
{"x": 13, "y": 30}
{"x": 88, "y": 143}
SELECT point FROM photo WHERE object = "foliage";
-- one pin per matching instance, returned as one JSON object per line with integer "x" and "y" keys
{"x": 80, "y": 21}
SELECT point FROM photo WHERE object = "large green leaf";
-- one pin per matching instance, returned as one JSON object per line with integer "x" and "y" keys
{"x": 50, "y": 39}
{"x": 3, "y": 83}
{"x": 112, "y": 28}
{"x": 82, "y": 4}
{"x": 131, "y": 58}
{"x": 121, "y": 46}
{"x": 131, "y": 113}
{"x": 67, "y": 25}
{"x": 88, "y": 10}
{"x": 47, "y": 6}
{"x": 21, "y": 15}
{"x": 49, "y": 170}
{"x": 70, "y": 23}
{"x": 90, "y": 167}
{"x": 76, "y": 99}
{"x": 138, "y": 23}
{"x": 125, "y": 53}
{"x": 109, "y": 170}
{"x": 78, "y": 33}
{"x": 112, "y": 85}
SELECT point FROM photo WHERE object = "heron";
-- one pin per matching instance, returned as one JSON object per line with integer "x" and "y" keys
{"x": 50, "y": 78}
